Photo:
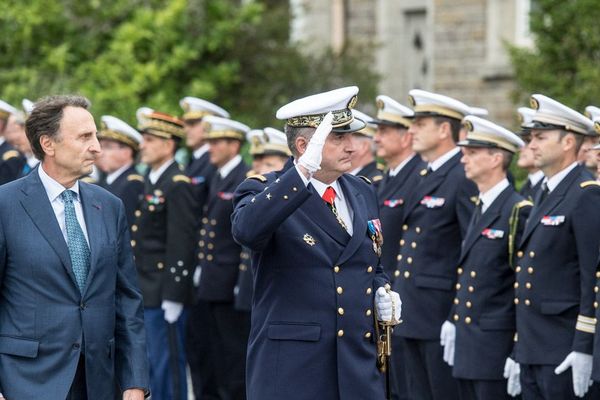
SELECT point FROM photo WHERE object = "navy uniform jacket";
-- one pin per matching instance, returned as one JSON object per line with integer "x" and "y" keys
{"x": 528, "y": 191}
{"x": 435, "y": 222}
{"x": 201, "y": 171}
{"x": 312, "y": 334}
{"x": 483, "y": 310}
{"x": 163, "y": 238}
{"x": 129, "y": 187}
{"x": 11, "y": 163}
{"x": 596, "y": 365}
{"x": 372, "y": 172}
{"x": 245, "y": 283}
{"x": 556, "y": 267}
{"x": 393, "y": 192}
{"x": 46, "y": 322}
{"x": 219, "y": 254}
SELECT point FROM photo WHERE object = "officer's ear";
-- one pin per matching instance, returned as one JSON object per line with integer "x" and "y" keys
{"x": 48, "y": 145}
{"x": 301, "y": 143}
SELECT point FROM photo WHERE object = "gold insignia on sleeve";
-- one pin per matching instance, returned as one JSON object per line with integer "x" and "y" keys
{"x": 258, "y": 177}
{"x": 10, "y": 154}
{"x": 589, "y": 183}
{"x": 135, "y": 177}
{"x": 181, "y": 178}
{"x": 309, "y": 240}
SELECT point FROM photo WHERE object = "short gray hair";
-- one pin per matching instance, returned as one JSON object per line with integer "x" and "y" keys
{"x": 294, "y": 132}
{"x": 46, "y": 116}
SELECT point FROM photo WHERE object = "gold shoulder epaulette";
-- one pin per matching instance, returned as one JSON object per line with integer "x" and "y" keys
{"x": 380, "y": 166}
{"x": 10, "y": 154}
{"x": 589, "y": 183}
{"x": 181, "y": 178}
{"x": 364, "y": 178}
{"x": 258, "y": 177}
{"x": 88, "y": 179}
{"x": 524, "y": 203}
{"x": 135, "y": 177}
{"x": 250, "y": 173}
{"x": 377, "y": 178}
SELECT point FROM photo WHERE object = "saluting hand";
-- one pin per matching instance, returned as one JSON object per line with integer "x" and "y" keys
{"x": 311, "y": 159}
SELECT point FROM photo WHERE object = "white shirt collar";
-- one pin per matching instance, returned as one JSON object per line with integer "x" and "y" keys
{"x": 229, "y": 166}
{"x": 2, "y": 140}
{"x": 155, "y": 174}
{"x": 437, "y": 163}
{"x": 553, "y": 182}
{"x": 320, "y": 188}
{"x": 355, "y": 171}
{"x": 52, "y": 187}
{"x": 488, "y": 197}
{"x": 395, "y": 171}
{"x": 110, "y": 178}
{"x": 199, "y": 152}
{"x": 535, "y": 177}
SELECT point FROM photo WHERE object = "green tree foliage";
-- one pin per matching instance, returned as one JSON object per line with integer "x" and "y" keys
{"x": 564, "y": 61}
{"x": 123, "y": 54}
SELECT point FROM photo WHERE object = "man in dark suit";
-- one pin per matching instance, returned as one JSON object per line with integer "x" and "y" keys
{"x": 120, "y": 144}
{"x": 478, "y": 336}
{"x": 315, "y": 236}
{"x": 163, "y": 245}
{"x": 435, "y": 221}
{"x": 71, "y": 314}
{"x": 200, "y": 171}
{"x": 525, "y": 160}
{"x": 11, "y": 161}
{"x": 219, "y": 257}
{"x": 363, "y": 156}
{"x": 556, "y": 261}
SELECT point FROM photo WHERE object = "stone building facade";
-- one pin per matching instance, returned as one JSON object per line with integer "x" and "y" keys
{"x": 455, "y": 47}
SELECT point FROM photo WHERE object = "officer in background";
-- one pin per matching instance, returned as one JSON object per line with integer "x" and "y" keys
{"x": 120, "y": 144}
{"x": 556, "y": 261}
{"x": 200, "y": 171}
{"x": 163, "y": 242}
{"x": 315, "y": 236}
{"x": 587, "y": 155}
{"x": 525, "y": 160}
{"x": 394, "y": 145}
{"x": 11, "y": 161}
{"x": 363, "y": 157}
{"x": 219, "y": 257}
{"x": 596, "y": 362}
{"x": 478, "y": 336}
{"x": 270, "y": 147}
{"x": 435, "y": 221}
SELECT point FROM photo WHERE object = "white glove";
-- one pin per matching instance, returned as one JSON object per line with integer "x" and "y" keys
{"x": 448, "y": 340}
{"x": 512, "y": 372}
{"x": 311, "y": 159}
{"x": 384, "y": 302}
{"x": 581, "y": 368}
{"x": 172, "y": 310}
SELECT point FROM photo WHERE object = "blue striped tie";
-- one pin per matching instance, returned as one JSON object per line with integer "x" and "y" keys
{"x": 78, "y": 247}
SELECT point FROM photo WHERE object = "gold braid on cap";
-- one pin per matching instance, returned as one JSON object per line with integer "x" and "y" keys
{"x": 191, "y": 115}
{"x": 162, "y": 125}
{"x": 256, "y": 147}
{"x": 340, "y": 117}
{"x": 118, "y": 137}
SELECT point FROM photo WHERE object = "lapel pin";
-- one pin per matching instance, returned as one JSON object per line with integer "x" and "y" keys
{"x": 309, "y": 240}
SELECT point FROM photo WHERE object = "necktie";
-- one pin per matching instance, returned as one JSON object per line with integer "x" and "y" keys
{"x": 78, "y": 247}
{"x": 478, "y": 211}
{"x": 545, "y": 192}
{"x": 329, "y": 197}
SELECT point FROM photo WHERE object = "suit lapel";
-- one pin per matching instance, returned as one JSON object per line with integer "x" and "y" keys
{"x": 554, "y": 198}
{"x": 92, "y": 212}
{"x": 317, "y": 211}
{"x": 430, "y": 183}
{"x": 359, "y": 224}
{"x": 488, "y": 218}
{"x": 34, "y": 200}
{"x": 395, "y": 184}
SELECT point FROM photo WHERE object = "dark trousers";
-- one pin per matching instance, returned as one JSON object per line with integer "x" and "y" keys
{"x": 539, "y": 382}
{"x": 166, "y": 355}
{"x": 200, "y": 354}
{"x": 469, "y": 389}
{"x": 78, "y": 389}
{"x": 229, "y": 330}
{"x": 428, "y": 376}
{"x": 398, "y": 385}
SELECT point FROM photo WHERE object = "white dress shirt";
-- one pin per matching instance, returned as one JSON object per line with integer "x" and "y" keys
{"x": 535, "y": 177}
{"x": 110, "y": 178}
{"x": 437, "y": 163}
{"x": 155, "y": 174}
{"x": 553, "y": 182}
{"x": 341, "y": 203}
{"x": 199, "y": 152}
{"x": 54, "y": 190}
{"x": 229, "y": 166}
{"x": 488, "y": 197}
